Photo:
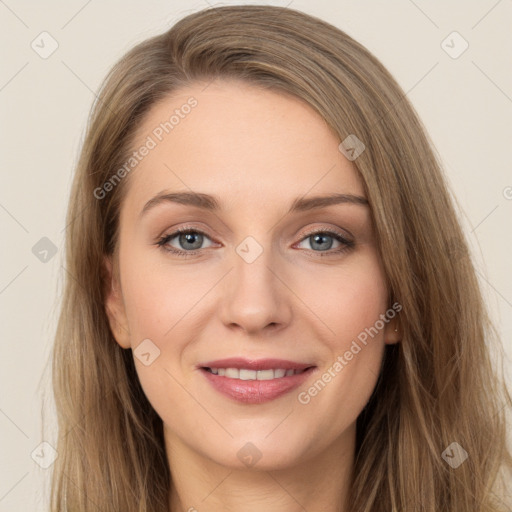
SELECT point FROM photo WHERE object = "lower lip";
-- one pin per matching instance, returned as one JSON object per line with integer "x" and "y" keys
{"x": 256, "y": 391}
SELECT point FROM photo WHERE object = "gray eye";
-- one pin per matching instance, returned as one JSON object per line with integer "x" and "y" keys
{"x": 190, "y": 240}
{"x": 320, "y": 241}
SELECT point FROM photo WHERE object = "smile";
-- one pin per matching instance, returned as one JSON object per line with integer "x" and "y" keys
{"x": 247, "y": 374}
{"x": 253, "y": 381}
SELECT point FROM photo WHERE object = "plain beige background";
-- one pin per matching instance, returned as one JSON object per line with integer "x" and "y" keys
{"x": 463, "y": 97}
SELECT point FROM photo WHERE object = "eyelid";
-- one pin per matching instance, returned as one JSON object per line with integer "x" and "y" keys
{"x": 324, "y": 229}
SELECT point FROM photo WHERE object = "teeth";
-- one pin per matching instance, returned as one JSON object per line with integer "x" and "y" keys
{"x": 232, "y": 373}
{"x": 246, "y": 374}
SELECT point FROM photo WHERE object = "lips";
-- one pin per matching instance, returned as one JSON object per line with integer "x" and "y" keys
{"x": 253, "y": 364}
{"x": 255, "y": 381}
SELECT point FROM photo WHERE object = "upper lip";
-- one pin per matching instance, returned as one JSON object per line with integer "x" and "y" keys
{"x": 255, "y": 364}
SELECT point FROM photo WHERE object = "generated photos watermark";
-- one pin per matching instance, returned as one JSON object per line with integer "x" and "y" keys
{"x": 157, "y": 135}
{"x": 304, "y": 397}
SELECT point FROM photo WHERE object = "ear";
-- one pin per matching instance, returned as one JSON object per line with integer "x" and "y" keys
{"x": 114, "y": 305}
{"x": 392, "y": 331}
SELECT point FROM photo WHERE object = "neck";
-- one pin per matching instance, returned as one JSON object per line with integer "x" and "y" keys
{"x": 318, "y": 484}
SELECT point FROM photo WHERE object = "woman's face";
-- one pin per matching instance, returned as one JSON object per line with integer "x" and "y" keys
{"x": 249, "y": 279}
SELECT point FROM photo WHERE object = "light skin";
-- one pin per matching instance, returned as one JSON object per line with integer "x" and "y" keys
{"x": 256, "y": 151}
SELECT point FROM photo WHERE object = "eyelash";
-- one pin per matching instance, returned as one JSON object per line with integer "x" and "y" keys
{"x": 347, "y": 245}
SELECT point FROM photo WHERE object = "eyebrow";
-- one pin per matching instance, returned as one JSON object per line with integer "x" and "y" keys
{"x": 211, "y": 203}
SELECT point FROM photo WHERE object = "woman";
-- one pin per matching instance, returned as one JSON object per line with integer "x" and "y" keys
{"x": 319, "y": 345}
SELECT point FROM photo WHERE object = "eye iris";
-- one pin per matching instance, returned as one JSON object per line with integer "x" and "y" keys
{"x": 189, "y": 238}
{"x": 321, "y": 237}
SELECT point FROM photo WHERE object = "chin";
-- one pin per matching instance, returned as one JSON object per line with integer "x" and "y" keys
{"x": 260, "y": 454}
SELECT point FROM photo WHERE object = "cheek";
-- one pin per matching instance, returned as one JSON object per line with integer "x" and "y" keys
{"x": 162, "y": 306}
{"x": 350, "y": 304}
{"x": 158, "y": 298}
{"x": 158, "y": 306}
{"x": 349, "y": 375}
{"x": 347, "y": 299}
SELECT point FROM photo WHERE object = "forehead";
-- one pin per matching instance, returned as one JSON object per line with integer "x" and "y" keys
{"x": 241, "y": 143}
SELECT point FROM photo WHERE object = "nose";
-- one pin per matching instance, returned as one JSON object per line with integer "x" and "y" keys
{"x": 255, "y": 297}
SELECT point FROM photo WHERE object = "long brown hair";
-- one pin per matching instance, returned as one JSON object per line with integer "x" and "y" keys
{"x": 438, "y": 386}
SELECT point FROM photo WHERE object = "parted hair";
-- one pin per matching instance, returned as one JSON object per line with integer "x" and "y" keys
{"x": 438, "y": 386}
